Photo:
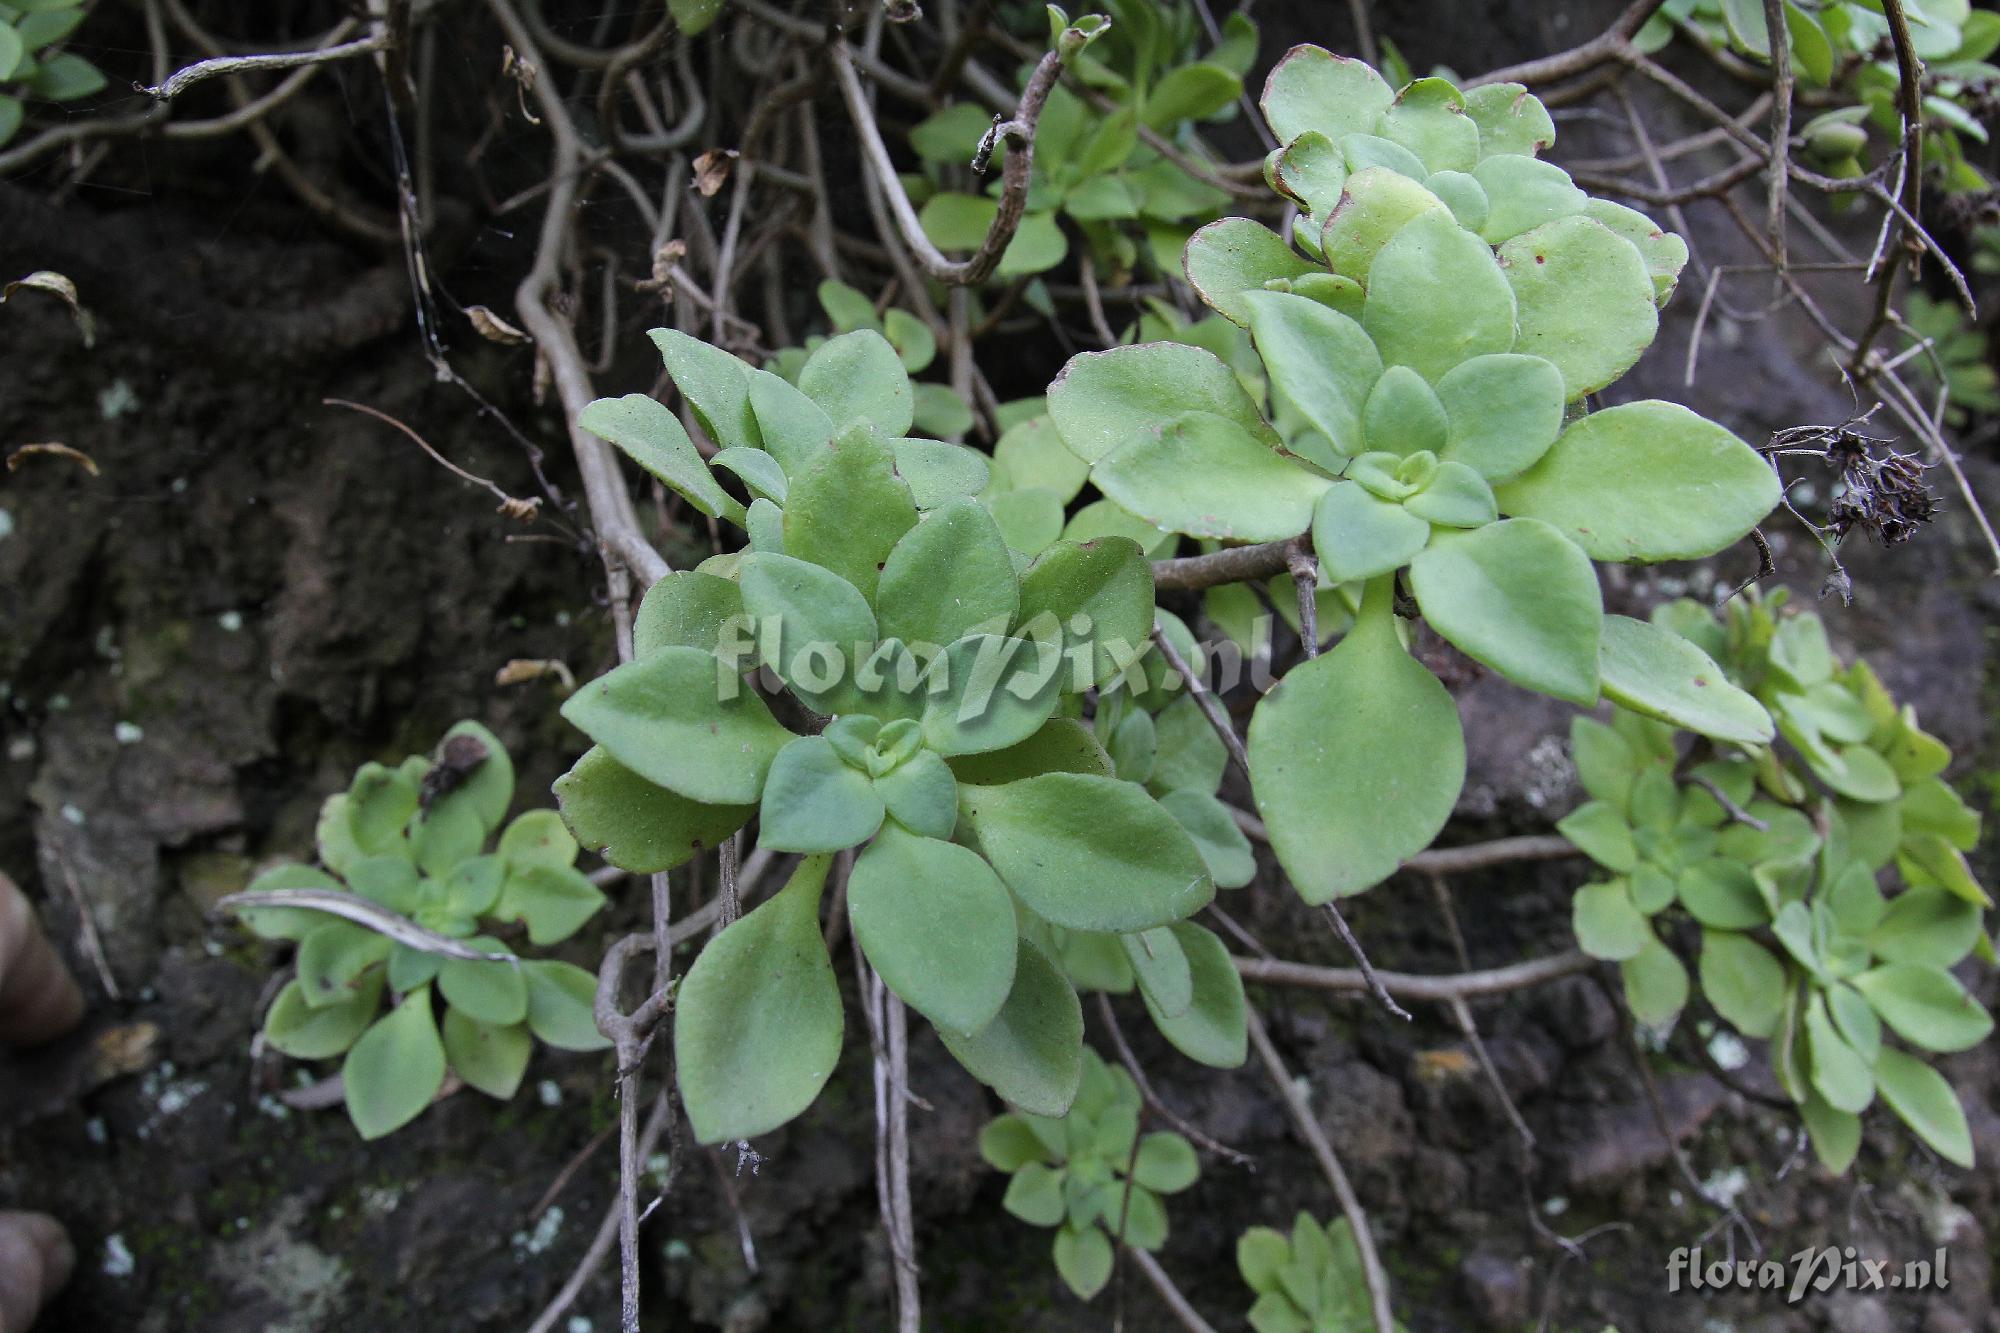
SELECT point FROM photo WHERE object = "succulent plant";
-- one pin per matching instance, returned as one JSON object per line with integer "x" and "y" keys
{"x": 1091, "y": 1174}
{"x": 409, "y": 841}
{"x": 1776, "y": 857}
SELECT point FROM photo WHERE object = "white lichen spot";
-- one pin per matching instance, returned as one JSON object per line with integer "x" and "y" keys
{"x": 547, "y": 1227}
{"x": 118, "y": 1261}
{"x": 271, "y": 1106}
{"x": 1555, "y": 1207}
{"x": 21, "y": 748}
{"x": 72, "y": 814}
{"x": 129, "y": 733}
{"x": 1676, "y": 1198}
{"x": 231, "y": 621}
{"x": 380, "y": 1200}
{"x": 580, "y": 1324}
{"x": 1726, "y": 1186}
{"x": 6, "y": 524}
{"x": 658, "y": 1168}
{"x": 58, "y": 703}
{"x": 106, "y": 643}
{"x": 678, "y": 1252}
{"x": 94, "y": 1129}
{"x": 549, "y": 1092}
{"x": 1550, "y": 771}
{"x": 116, "y": 399}
{"x": 1728, "y": 1050}
{"x": 178, "y": 486}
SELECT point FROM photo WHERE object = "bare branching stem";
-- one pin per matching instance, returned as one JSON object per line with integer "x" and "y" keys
{"x": 1019, "y": 134}
{"x": 1232, "y": 564}
{"x": 183, "y": 79}
{"x": 1329, "y": 1163}
{"x": 1409, "y": 986}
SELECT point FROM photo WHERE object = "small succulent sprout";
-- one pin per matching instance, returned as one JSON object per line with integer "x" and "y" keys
{"x": 1777, "y": 857}
{"x": 1091, "y": 1174}
{"x": 407, "y": 844}
{"x": 1310, "y": 1281}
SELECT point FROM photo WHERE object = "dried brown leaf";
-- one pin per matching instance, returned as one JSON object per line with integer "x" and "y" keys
{"x": 43, "y": 280}
{"x": 78, "y": 456}
{"x": 711, "y": 170}
{"x": 493, "y": 328}
{"x": 521, "y": 670}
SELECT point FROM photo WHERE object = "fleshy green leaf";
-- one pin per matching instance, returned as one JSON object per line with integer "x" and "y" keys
{"x": 1923, "y": 1100}
{"x": 318, "y": 1032}
{"x": 1204, "y": 475}
{"x": 988, "y": 691}
{"x": 491, "y": 1059}
{"x": 1505, "y": 411}
{"x": 858, "y": 378}
{"x": 1356, "y": 759}
{"x": 395, "y": 1069}
{"x": 813, "y": 802}
{"x": 818, "y": 623}
{"x": 1035, "y": 1195}
{"x": 849, "y": 509}
{"x": 1607, "y": 925}
{"x": 635, "y": 824}
{"x": 1231, "y": 863}
{"x": 332, "y": 959}
{"x": 1313, "y": 89}
{"x": 1656, "y": 985}
{"x": 1585, "y": 300}
{"x": 1646, "y": 481}
{"x": 937, "y": 923}
{"x": 1107, "y": 585}
{"x": 1657, "y": 673}
{"x": 1925, "y": 1006}
{"x": 1510, "y": 119}
{"x": 757, "y": 1020}
{"x": 1744, "y": 982}
{"x": 1358, "y": 535}
{"x": 1083, "y": 1258}
{"x": 686, "y": 608}
{"x": 1089, "y": 853}
{"x": 561, "y": 997}
{"x": 1232, "y": 256}
{"x": 654, "y": 438}
{"x": 1032, "y": 1051}
{"x": 551, "y": 901}
{"x": 1104, "y": 400}
{"x": 491, "y": 992}
{"x": 1520, "y": 597}
{"x": 662, "y": 718}
{"x": 1839, "y": 1074}
{"x": 1318, "y": 359}
{"x": 1436, "y": 298}
{"x": 1523, "y": 192}
{"x": 948, "y": 576}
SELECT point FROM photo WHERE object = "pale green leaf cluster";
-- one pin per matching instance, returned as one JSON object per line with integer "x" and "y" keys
{"x": 1424, "y": 337}
{"x": 1091, "y": 1174}
{"x": 32, "y": 65}
{"x": 412, "y": 839}
{"x": 1130, "y": 203}
{"x": 928, "y": 681}
{"x": 1776, "y": 857}
{"x": 1308, "y": 1282}
{"x": 1841, "y": 53}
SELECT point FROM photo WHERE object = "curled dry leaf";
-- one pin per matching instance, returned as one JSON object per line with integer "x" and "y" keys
{"x": 42, "y": 280}
{"x": 493, "y": 328}
{"x": 80, "y": 458}
{"x": 711, "y": 170}
{"x": 521, "y": 670}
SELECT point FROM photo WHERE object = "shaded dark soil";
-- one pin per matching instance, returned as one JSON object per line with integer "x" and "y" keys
{"x": 261, "y": 591}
